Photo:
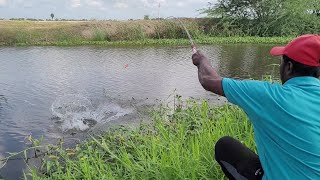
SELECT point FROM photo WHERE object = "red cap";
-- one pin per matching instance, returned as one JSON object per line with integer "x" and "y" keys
{"x": 304, "y": 49}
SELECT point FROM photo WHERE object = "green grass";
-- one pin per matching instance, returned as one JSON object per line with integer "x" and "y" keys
{"x": 176, "y": 146}
{"x": 115, "y": 33}
{"x": 164, "y": 42}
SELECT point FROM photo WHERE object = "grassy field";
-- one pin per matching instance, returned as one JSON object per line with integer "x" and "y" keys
{"x": 116, "y": 33}
{"x": 175, "y": 146}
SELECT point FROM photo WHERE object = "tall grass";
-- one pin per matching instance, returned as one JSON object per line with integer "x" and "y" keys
{"x": 25, "y": 33}
{"x": 175, "y": 146}
{"x": 99, "y": 35}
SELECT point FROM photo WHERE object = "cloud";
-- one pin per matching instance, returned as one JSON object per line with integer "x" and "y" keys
{"x": 153, "y": 3}
{"x": 120, "y": 5}
{"x": 188, "y": 2}
{"x": 75, "y": 3}
{"x": 94, "y": 3}
{"x": 3, "y": 2}
{"x": 22, "y": 3}
{"x": 180, "y": 4}
{"x": 198, "y": 1}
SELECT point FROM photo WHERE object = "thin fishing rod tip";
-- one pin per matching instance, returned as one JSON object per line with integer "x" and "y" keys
{"x": 194, "y": 49}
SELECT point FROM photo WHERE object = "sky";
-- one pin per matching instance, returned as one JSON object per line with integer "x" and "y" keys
{"x": 100, "y": 9}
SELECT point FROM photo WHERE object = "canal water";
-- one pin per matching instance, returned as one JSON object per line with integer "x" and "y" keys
{"x": 58, "y": 91}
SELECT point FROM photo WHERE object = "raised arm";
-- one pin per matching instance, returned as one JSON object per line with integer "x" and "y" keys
{"x": 208, "y": 76}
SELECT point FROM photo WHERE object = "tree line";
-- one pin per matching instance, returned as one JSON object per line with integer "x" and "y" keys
{"x": 264, "y": 17}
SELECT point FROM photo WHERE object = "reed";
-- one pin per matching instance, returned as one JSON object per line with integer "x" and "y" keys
{"x": 111, "y": 33}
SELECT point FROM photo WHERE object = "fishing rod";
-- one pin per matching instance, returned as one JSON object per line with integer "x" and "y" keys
{"x": 194, "y": 49}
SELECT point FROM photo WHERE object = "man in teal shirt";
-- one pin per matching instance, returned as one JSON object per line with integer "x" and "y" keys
{"x": 286, "y": 118}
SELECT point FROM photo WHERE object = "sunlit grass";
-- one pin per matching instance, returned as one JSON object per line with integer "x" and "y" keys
{"x": 165, "y": 42}
{"x": 176, "y": 146}
{"x": 114, "y": 33}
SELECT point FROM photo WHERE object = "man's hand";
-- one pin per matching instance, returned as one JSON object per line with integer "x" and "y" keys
{"x": 198, "y": 58}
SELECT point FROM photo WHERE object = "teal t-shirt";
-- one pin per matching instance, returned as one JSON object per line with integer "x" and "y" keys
{"x": 286, "y": 121}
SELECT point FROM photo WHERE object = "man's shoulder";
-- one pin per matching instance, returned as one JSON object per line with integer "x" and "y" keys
{"x": 251, "y": 84}
{"x": 250, "y": 92}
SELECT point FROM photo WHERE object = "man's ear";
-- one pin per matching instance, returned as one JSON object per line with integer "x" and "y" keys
{"x": 289, "y": 68}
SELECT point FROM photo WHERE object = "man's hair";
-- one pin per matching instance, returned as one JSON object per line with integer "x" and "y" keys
{"x": 301, "y": 69}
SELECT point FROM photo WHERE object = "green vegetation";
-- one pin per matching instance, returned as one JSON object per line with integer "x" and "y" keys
{"x": 116, "y": 33}
{"x": 176, "y": 146}
{"x": 160, "y": 42}
{"x": 264, "y": 17}
{"x": 236, "y": 18}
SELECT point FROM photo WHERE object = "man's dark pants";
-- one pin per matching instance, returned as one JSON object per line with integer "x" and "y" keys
{"x": 237, "y": 161}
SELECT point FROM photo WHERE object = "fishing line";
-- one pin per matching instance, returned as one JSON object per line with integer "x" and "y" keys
{"x": 194, "y": 49}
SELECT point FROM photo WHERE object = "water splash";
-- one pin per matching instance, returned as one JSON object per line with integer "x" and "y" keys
{"x": 76, "y": 112}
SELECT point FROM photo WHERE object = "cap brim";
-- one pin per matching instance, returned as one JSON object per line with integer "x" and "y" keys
{"x": 277, "y": 51}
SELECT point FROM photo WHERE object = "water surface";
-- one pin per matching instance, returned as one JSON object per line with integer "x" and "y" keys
{"x": 32, "y": 79}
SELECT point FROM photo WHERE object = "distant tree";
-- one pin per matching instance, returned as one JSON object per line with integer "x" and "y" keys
{"x": 265, "y": 17}
{"x": 315, "y": 8}
{"x": 52, "y": 16}
{"x": 146, "y": 17}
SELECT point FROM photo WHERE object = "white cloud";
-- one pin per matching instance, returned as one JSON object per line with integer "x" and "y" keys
{"x": 180, "y": 4}
{"x": 153, "y": 3}
{"x": 188, "y": 2}
{"x": 198, "y": 1}
{"x": 75, "y": 3}
{"x": 120, "y": 5}
{"x": 22, "y": 3}
{"x": 3, "y": 2}
{"x": 94, "y": 3}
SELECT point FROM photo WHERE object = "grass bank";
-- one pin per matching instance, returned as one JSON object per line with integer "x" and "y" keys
{"x": 116, "y": 33}
{"x": 176, "y": 146}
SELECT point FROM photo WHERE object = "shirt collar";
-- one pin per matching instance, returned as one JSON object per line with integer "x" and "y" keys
{"x": 303, "y": 80}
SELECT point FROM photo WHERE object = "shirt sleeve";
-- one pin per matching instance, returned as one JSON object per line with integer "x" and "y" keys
{"x": 252, "y": 96}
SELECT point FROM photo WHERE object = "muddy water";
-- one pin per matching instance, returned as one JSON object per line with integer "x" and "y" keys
{"x": 55, "y": 92}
